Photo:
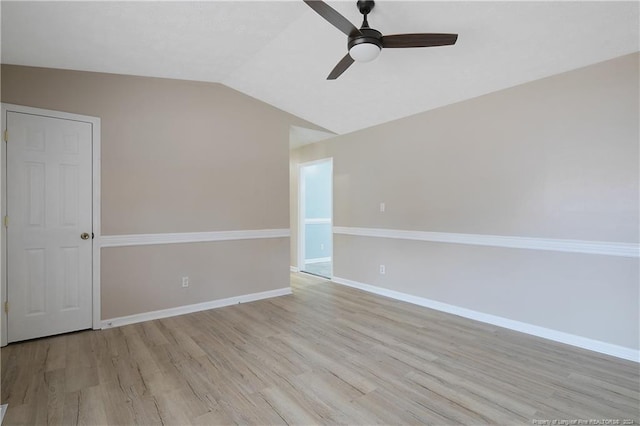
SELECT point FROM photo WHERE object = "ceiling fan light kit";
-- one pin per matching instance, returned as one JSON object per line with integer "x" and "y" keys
{"x": 364, "y": 52}
{"x": 365, "y": 44}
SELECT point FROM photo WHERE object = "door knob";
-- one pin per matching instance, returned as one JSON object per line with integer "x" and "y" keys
{"x": 84, "y": 236}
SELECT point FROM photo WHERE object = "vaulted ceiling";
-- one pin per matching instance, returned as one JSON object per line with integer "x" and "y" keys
{"x": 281, "y": 52}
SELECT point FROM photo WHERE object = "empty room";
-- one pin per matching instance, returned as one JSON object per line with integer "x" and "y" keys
{"x": 308, "y": 212}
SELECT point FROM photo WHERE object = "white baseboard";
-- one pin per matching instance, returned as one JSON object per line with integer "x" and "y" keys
{"x": 294, "y": 269}
{"x": 547, "y": 333}
{"x": 181, "y": 310}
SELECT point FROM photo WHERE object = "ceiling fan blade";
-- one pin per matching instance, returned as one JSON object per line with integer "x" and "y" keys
{"x": 418, "y": 40}
{"x": 333, "y": 17}
{"x": 341, "y": 67}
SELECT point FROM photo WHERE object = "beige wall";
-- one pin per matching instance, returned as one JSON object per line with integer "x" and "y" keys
{"x": 217, "y": 270}
{"x": 177, "y": 156}
{"x": 555, "y": 158}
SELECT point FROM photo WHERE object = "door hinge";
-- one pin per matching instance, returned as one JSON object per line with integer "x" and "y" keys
{"x": 6, "y": 221}
{"x": 6, "y": 135}
{"x": 6, "y": 307}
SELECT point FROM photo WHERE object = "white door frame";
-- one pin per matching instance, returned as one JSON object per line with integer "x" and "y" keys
{"x": 301, "y": 210}
{"x": 95, "y": 129}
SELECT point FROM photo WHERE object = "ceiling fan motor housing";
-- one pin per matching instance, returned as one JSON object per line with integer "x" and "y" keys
{"x": 369, "y": 35}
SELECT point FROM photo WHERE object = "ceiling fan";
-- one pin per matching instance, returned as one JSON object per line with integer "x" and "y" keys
{"x": 365, "y": 44}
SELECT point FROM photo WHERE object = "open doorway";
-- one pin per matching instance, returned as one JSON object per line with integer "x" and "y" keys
{"x": 315, "y": 245}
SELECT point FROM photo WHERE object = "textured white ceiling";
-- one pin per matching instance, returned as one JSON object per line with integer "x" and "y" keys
{"x": 281, "y": 52}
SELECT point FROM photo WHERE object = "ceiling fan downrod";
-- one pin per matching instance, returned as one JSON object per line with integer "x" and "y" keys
{"x": 365, "y": 7}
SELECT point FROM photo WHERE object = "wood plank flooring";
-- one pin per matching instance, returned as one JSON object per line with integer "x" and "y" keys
{"x": 325, "y": 355}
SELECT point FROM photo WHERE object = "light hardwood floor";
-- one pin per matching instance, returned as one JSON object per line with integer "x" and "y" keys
{"x": 325, "y": 355}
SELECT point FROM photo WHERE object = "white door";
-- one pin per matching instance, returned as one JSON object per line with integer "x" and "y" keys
{"x": 49, "y": 201}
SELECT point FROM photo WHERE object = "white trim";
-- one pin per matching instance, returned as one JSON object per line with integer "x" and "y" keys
{"x": 96, "y": 200}
{"x": 317, "y": 260}
{"x": 95, "y": 243}
{"x": 301, "y": 215}
{"x": 546, "y": 333}
{"x": 190, "y": 237}
{"x": 302, "y": 221}
{"x": 3, "y": 410}
{"x": 4, "y": 329}
{"x": 294, "y": 269}
{"x": 187, "y": 309}
{"x": 318, "y": 221}
{"x": 572, "y": 246}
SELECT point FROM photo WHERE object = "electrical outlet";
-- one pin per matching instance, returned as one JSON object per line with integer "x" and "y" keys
{"x": 382, "y": 207}
{"x": 185, "y": 281}
{"x": 321, "y": 246}
{"x": 383, "y": 270}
